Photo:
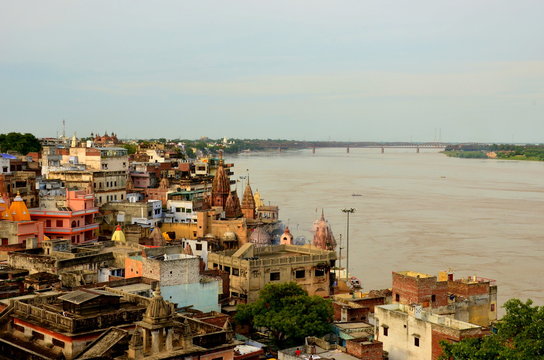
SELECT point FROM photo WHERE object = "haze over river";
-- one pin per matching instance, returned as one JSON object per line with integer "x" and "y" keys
{"x": 424, "y": 212}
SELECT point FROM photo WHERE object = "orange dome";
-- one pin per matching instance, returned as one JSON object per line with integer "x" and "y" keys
{"x": 18, "y": 209}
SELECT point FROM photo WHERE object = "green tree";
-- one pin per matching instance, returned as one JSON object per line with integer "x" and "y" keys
{"x": 288, "y": 313}
{"x": 21, "y": 143}
{"x": 519, "y": 335}
{"x": 131, "y": 148}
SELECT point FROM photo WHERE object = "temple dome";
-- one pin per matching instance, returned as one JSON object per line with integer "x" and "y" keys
{"x": 229, "y": 236}
{"x": 158, "y": 309}
{"x": 260, "y": 237}
{"x": 323, "y": 236}
{"x": 232, "y": 206}
{"x": 187, "y": 250}
{"x": 118, "y": 235}
{"x": 258, "y": 200}
{"x": 18, "y": 209}
{"x": 286, "y": 238}
{"x": 157, "y": 237}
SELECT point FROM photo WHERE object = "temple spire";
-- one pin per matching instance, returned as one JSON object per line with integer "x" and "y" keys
{"x": 248, "y": 202}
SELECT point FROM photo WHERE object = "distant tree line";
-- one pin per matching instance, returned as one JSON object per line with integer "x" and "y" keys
{"x": 503, "y": 151}
{"x": 20, "y": 143}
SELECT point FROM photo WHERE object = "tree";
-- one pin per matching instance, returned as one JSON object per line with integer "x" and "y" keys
{"x": 131, "y": 148}
{"x": 288, "y": 313}
{"x": 21, "y": 143}
{"x": 519, "y": 335}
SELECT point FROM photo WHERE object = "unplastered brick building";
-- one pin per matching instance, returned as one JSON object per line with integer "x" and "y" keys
{"x": 472, "y": 299}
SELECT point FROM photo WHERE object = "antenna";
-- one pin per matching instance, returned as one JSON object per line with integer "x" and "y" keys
{"x": 63, "y": 128}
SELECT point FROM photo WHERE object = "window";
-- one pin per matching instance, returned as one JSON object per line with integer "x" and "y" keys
{"x": 274, "y": 276}
{"x": 47, "y": 223}
{"x": 58, "y": 343}
{"x": 300, "y": 274}
{"x": 188, "y": 211}
{"x": 19, "y": 328}
{"x": 235, "y": 271}
{"x": 215, "y": 266}
{"x": 38, "y": 335}
{"x": 492, "y": 307}
{"x": 59, "y": 223}
{"x": 416, "y": 341}
{"x": 233, "y": 294}
{"x": 433, "y": 298}
{"x": 198, "y": 247}
{"x": 178, "y": 209}
{"x": 397, "y": 297}
{"x": 121, "y": 197}
{"x": 227, "y": 269}
{"x": 385, "y": 331}
{"x": 319, "y": 272}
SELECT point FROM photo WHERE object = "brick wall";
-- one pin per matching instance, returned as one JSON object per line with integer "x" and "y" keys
{"x": 370, "y": 303}
{"x": 365, "y": 350}
{"x": 357, "y": 314}
{"x": 419, "y": 290}
{"x": 468, "y": 289}
{"x": 435, "y": 343}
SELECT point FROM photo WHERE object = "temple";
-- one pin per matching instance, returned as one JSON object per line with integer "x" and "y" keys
{"x": 323, "y": 236}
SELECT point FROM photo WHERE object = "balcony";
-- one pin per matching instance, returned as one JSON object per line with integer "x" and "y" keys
{"x": 70, "y": 230}
{"x": 59, "y": 213}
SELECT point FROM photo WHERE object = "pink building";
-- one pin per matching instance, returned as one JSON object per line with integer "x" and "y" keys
{"x": 15, "y": 224}
{"x": 74, "y": 220}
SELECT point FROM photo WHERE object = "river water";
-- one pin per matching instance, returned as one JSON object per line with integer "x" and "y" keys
{"x": 424, "y": 212}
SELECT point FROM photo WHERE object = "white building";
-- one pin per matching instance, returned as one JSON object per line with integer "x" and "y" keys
{"x": 4, "y": 163}
{"x": 199, "y": 248}
{"x": 409, "y": 332}
{"x": 182, "y": 211}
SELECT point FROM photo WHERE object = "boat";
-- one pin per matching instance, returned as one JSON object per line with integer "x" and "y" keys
{"x": 354, "y": 194}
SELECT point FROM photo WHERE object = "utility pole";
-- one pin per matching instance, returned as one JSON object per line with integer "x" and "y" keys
{"x": 340, "y": 255}
{"x": 347, "y": 212}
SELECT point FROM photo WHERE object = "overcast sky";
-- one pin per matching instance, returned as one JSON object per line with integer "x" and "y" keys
{"x": 310, "y": 70}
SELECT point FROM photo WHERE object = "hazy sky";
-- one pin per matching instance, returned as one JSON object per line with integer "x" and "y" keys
{"x": 311, "y": 70}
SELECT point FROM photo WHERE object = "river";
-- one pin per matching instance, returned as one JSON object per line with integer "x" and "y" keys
{"x": 424, "y": 212}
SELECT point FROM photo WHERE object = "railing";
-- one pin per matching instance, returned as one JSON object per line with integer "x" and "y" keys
{"x": 37, "y": 212}
{"x": 71, "y": 230}
{"x": 42, "y": 315}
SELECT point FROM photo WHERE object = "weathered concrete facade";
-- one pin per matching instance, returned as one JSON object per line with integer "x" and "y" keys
{"x": 180, "y": 279}
{"x": 409, "y": 332}
{"x": 252, "y": 268}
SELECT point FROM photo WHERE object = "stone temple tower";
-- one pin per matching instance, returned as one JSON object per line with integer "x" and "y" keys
{"x": 323, "y": 236}
{"x": 157, "y": 325}
{"x": 220, "y": 185}
{"x": 248, "y": 203}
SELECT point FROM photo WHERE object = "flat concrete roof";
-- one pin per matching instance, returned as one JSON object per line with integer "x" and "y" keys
{"x": 414, "y": 274}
